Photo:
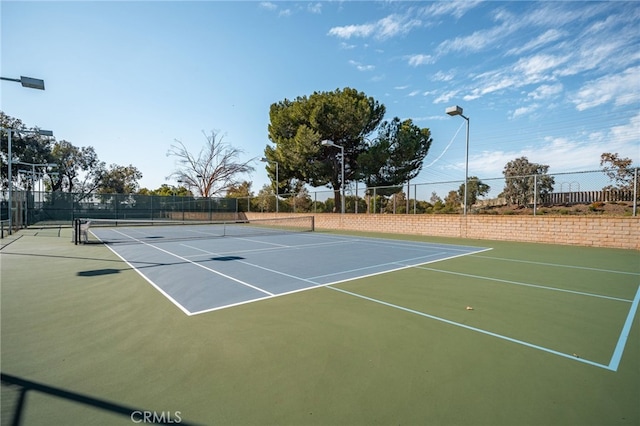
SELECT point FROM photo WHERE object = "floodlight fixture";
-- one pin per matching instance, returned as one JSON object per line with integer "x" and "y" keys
{"x": 454, "y": 110}
{"x": 31, "y": 83}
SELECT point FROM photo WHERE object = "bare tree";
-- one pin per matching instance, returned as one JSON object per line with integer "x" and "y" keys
{"x": 213, "y": 171}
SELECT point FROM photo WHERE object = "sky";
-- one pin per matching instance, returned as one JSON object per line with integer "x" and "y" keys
{"x": 557, "y": 82}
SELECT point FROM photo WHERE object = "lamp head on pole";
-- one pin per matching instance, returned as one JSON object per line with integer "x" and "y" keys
{"x": 327, "y": 142}
{"x": 32, "y": 83}
{"x": 454, "y": 110}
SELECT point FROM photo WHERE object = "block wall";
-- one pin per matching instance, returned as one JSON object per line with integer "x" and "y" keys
{"x": 595, "y": 231}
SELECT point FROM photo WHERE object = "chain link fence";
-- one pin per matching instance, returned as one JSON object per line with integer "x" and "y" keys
{"x": 578, "y": 193}
{"x": 586, "y": 192}
{"x": 29, "y": 207}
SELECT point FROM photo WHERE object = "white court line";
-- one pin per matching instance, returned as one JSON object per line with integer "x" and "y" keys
{"x": 139, "y": 272}
{"x": 316, "y": 285}
{"x": 468, "y": 327}
{"x": 525, "y": 284}
{"x": 254, "y": 265}
{"x": 395, "y": 262}
{"x": 624, "y": 334}
{"x": 559, "y": 265}
{"x": 197, "y": 264}
{"x": 268, "y": 249}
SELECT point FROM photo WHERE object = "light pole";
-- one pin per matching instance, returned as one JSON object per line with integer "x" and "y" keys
{"x": 327, "y": 142}
{"x": 31, "y": 83}
{"x": 265, "y": 160}
{"x": 9, "y": 164}
{"x": 456, "y": 110}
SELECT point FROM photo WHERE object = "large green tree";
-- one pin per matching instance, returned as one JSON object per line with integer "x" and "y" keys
{"x": 119, "y": 180}
{"x": 396, "y": 155}
{"x": 347, "y": 118}
{"x": 79, "y": 169}
{"x": 298, "y": 127}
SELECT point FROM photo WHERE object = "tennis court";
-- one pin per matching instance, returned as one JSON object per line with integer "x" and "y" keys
{"x": 318, "y": 328}
{"x": 200, "y": 272}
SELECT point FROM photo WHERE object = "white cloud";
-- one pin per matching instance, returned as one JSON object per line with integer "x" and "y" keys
{"x": 442, "y": 76}
{"x": 414, "y": 93}
{"x": 580, "y": 152}
{"x": 525, "y": 110}
{"x": 315, "y": 8}
{"x": 268, "y": 5}
{"x": 361, "y": 67}
{"x": 456, "y": 9}
{"x": 479, "y": 40}
{"x": 446, "y": 97}
{"x": 538, "y": 67}
{"x": 545, "y": 91}
{"x": 393, "y": 25}
{"x": 349, "y": 31}
{"x": 628, "y": 134}
{"x": 387, "y": 27}
{"x": 419, "y": 59}
{"x": 621, "y": 89}
{"x": 543, "y": 39}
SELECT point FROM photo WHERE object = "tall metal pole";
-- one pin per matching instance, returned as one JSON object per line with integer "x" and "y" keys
{"x": 635, "y": 192}
{"x": 466, "y": 166}
{"x": 277, "y": 189}
{"x": 342, "y": 183}
{"x": 456, "y": 110}
{"x": 10, "y": 176}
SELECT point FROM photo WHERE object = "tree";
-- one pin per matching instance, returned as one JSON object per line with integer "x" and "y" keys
{"x": 167, "y": 191}
{"x": 243, "y": 193}
{"x": 396, "y": 155}
{"x": 79, "y": 169}
{"x": 521, "y": 178}
{"x": 618, "y": 170}
{"x": 240, "y": 190}
{"x": 298, "y": 127}
{"x": 265, "y": 199}
{"x": 475, "y": 188}
{"x": 119, "y": 180}
{"x": 452, "y": 202}
{"x": 213, "y": 171}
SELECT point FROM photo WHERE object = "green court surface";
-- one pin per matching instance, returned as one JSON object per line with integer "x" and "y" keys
{"x": 522, "y": 334}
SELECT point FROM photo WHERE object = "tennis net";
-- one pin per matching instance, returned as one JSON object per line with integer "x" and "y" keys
{"x": 110, "y": 231}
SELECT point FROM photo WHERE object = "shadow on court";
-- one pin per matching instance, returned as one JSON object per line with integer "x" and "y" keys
{"x": 24, "y": 387}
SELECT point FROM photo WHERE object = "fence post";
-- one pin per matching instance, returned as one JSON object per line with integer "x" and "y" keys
{"x": 635, "y": 192}
{"x": 535, "y": 194}
{"x": 356, "y": 207}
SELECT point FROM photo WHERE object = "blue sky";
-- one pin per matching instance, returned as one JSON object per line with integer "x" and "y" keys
{"x": 558, "y": 82}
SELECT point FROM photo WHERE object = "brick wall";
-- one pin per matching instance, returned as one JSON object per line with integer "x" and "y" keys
{"x": 596, "y": 231}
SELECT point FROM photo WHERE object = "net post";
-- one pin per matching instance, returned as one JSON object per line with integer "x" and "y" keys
{"x": 313, "y": 223}
{"x": 76, "y": 230}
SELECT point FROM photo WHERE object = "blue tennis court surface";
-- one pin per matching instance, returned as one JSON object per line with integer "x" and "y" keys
{"x": 206, "y": 274}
